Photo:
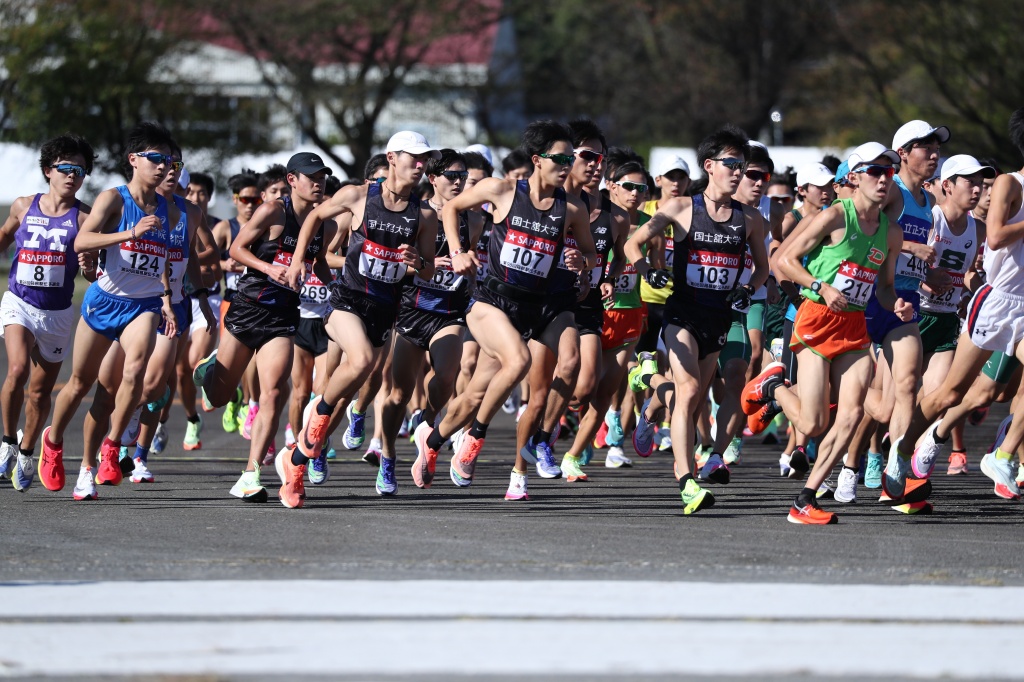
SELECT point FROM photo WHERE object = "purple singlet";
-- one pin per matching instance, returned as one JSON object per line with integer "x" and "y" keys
{"x": 44, "y": 266}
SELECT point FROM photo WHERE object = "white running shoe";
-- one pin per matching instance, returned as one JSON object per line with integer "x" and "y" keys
{"x": 24, "y": 472}
{"x": 159, "y": 439}
{"x": 131, "y": 434}
{"x": 8, "y": 458}
{"x": 733, "y": 452}
{"x": 1001, "y": 472}
{"x": 289, "y": 436}
{"x": 85, "y": 488}
{"x": 616, "y": 458}
{"x": 926, "y": 454}
{"x": 517, "y": 488}
{"x": 846, "y": 487}
{"x": 784, "y": 468}
{"x": 141, "y": 473}
{"x": 715, "y": 470}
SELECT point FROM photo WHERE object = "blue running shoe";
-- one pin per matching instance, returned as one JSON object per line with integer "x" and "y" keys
{"x": 415, "y": 420}
{"x": 547, "y": 467}
{"x": 318, "y": 470}
{"x": 587, "y": 455}
{"x": 873, "y": 470}
{"x": 615, "y": 433}
{"x": 386, "y": 484}
{"x": 355, "y": 434}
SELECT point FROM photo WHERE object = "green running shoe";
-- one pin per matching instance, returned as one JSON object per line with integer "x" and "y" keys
{"x": 647, "y": 363}
{"x": 695, "y": 498}
{"x": 229, "y": 420}
{"x": 571, "y": 470}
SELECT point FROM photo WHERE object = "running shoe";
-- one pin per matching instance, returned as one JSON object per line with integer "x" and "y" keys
{"x": 761, "y": 389}
{"x": 647, "y": 365}
{"x": 701, "y": 455}
{"x": 1020, "y": 476}
{"x": 509, "y": 406}
{"x": 289, "y": 435}
{"x": 271, "y": 455}
{"x": 695, "y": 498}
{"x": 125, "y": 462}
{"x": 250, "y": 417}
{"x": 529, "y": 451}
{"x": 825, "y": 491}
{"x": 425, "y": 464}
{"x": 205, "y": 401}
{"x": 846, "y": 487}
{"x": 1001, "y": 473}
{"x": 976, "y": 417}
{"x": 520, "y": 411}
{"x": 248, "y": 487}
{"x": 784, "y": 467}
{"x": 313, "y": 434}
{"x": 715, "y": 470}
{"x": 643, "y": 434}
{"x": 386, "y": 484}
{"x": 355, "y": 434}
{"x": 9, "y": 458}
{"x": 895, "y": 478}
{"x": 193, "y": 430}
{"x": 229, "y": 420}
{"x": 811, "y": 515}
{"x": 957, "y": 463}
{"x": 916, "y": 490}
{"x": 615, "y": 433}
{"x": 414, "y": 422}
{"x": 403, "y": 430}
{"x": 464, "y": 460}
{"x": 293, "y": 490}
{"x": 204, "y": 366}
{"x": 571, "y": 470}
{"x": 616, "y": 458}
{"x": 925, "y": 455}
{"x": 776, "y": 349}
{"x": 331, "y": 452}
{"x": 587, "y": 455}
{"x": 109, "y": 471}
{"x": 51, "y": 464}
{"x": 374, "y": 452}
{"x": 131, "y": 434}
{"x": 764, "y": 415}
{"x": 546, "y": 465}
{"x": 517, "y": 487}
{"x": 600, "y": 438}
{"x": 243, "y": 414}
{"x": 734, "y": 452}
{"x": 24, "y": 472}
{"x": 770, "y": 436}
{"x": 141, "y": 473}
{"x": 663, "y": 437}
{"x": 798, "y": 463}
{"x": 318, "y": 470}
{"x": 874, "y": 470}
{"x": 85, "y": 488}
{"x": 159, "y": 443}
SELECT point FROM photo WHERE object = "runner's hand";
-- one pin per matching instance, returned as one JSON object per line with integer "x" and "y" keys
{"x": 170, "y": 319}
{"x": 833, "y": 298}
{"x": 291, "y": 277}
{"x": 150, "y": 222}
{"x": 938, "y": 280}
{"x": 658, "y": 279}
{"x": 465, "y": 264}
{"x": 608, "y": 292}
{"x": 443, "y": 262}
{"x": 904, "y": 310}
{"x": 740, "y": 298}
{"x": 204, "y": 308}
{"x": 922, "y": 252}
{"x": 573, "y": 260}
{"x": 410, "y": 256}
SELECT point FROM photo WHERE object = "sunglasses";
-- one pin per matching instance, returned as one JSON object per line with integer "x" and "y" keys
{"x": 178, "y": 165}
{"x": 731, "y": 163}
{"x": 248, "y": 201}
{"x": 156, "y": 157}
{"x": 877, "y": 171}
{"x": 70, "y": 169}
{"x": 560, "y": 159}
{"x": 756, "y": 175}
{"x": 589, "y": 155}
{"x": 633, "y": 186}
{"x": 455, "y": 176}
{"x": 379, "y": 180}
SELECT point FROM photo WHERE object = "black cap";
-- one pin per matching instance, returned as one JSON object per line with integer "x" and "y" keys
{"x": 307, "y": 163}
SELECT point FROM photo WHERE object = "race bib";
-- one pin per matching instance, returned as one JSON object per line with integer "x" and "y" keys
{"x": 855, "y": 283}
{"x": 711, "y": 270}
{"x": 949, "y": 301}
{"x": 670, "y": 253}
{"x": 625, "y": 283}
{"x": 911, "y": 267}
{"x": 444, "y": 279}
{"x": 43, "y": 269}
{"x": 381, "y": 263}
{"x": 143, "y": 258}
{"x": 527, "y": 253}
{"x": 314, "y": 292}
{"x": 748, "y": 268}
{"x": 177, "y": 260}
{"x": 481, "y": 273}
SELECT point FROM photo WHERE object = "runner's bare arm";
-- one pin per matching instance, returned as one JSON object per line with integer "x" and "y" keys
{"x": 264, "y": 218}
{"x": 810, "y": 233}
{"x": 498, "y": 193}
{"x": 342, "y": 202}
{"x": 97, "y": 232}
{"x": 973, "y": 280}
{"x": 653, "y": 228}
{"x": 321, "y": 263}
{"x": 334, "y": 257}
{"x": 13, "y": 222}
{"x": 577, "y": 221}
{"x": 885, "y": 287}
{"x": 420, "y": 256}
{"x": 755, "y": 242}
{"x": 620, "y": 231}
{"x": 1005, "y": 202}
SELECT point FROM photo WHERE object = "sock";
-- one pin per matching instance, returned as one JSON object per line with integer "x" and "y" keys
{"x": 665, "y": 425}
{"x": 542, "y": 436}
{"x": 1005, "y": 456}
{"x": 478, "y": 430}
{"x": 807, "y": 496}
{"x": 683, "y": 481}
{"x": 194, "y": 419}
{"x": 324, "y": 409}
{"x": 298, "y": 459}
{"x": 616, "y": 413}
{"x": 11, "y": 440}
{"x": 435, "y": 440}
{"x": 26, "y": 453}
{"x": 853, "y": 469}
{"x": 517, "y": 471}
{"x": 141, "y": 453}
{"x": 252, "y": 403}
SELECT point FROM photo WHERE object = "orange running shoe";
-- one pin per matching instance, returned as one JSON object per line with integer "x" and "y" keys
{"x": 762, "y": 419}
{"x": 51, "y": 464}
{"x": 810, "y": 515}
{"x": 314, "y": 432}
{"x": 464, "y": 461}
{"x": 293, "y": 491}
{"x": 109, "y": 472}
{"x": 761, "y": 388}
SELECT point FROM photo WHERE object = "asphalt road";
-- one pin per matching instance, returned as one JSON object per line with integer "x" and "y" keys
{"x": 623, "y": 524}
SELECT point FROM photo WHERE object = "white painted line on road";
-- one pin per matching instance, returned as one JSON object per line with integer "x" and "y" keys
{"x": 507, "y": 627}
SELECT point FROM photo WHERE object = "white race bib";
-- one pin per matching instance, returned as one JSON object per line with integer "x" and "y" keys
{"x": 949, "y": 301}
{"x": 855, "y": 282}
{"x": 142, "y": 258}
{"x": 314, "y": 292}
{"x": 380, "y": 263}
{"x": 625, "y": 283}
{"x": 527, "y": 253}
{"x": 711, "y": 270}
{"x": 444, "y": 279}
{"x": 43, "y": 269}
{"x": 912, "y": 267}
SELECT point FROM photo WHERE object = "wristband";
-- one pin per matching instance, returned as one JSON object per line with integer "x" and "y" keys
{"x": 201, "y": 290}
{"x": 167, "y": 292}
{"x": 457, "y": 252}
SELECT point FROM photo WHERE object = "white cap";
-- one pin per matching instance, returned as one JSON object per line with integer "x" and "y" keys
{"x": 869, "y": 151}
{"x": 183, "y": 177}
{"x": 411, "y": 142}
{"x": 670, "y": 164}
{"x": 964, "y": 164}
{"x": 756, "y": 143}
{"x": 918, "y": 130}
{"x": 816, "y": 174}
{"x": 483, "y": 150}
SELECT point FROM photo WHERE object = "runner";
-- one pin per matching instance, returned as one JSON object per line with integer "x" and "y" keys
{"x": 517, "y": 165}
{"x": 849, "y": 247}
{"x": 130, "y": 224}
{"x": 712, "y": 231}
{"x": 995, "y": 323}
{"x": 36, "y": 311}
{"x": 264, "y": 316}
{"x": 381, "y": 252}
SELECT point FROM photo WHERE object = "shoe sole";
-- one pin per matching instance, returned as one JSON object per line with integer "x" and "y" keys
{"x": 719, "y": 476}
{"x": 837, "y": 498}
{"x": 460, "y": 482}
{"x": 191, "y": 448}
{"x": 1006, "y": 494}
{"x": 279, "y": 468}
{"x": 916, "y": 490}
{"x": 371, "y": 459}
{"x": 833, "y": 520}
{"x": 576, "y": 479}
{"x": 799, "y": 465}
{"x": 706, "y": 502}
{"x": 542, "y": 474}
{"x": 514, "y": 498}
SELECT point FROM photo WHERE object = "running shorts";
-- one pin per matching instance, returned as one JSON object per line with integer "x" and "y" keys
{"x": 655, "y": 313}
{"x": 524, "y": 315}
{"x": 198, "y": 321}
{"x": 1000, "y": 368}
{"x": 827, "y": 333}
{"x": 882, "y": 322}
{"x": 378, "y": 318}
{"x": 709, "y": 326}
{"x": 939, "y": 331}
{"x": 419, "y": 327}
{"x": 311, "y": 335}
{"x": 109, "y": 315}
{"x": 254, "y": 324}
{"x": 589, "y": 319}
{"x": 756, "y": 315}
{"x": 182, "y": 317}
{"x": 621, "y": 327}
{"x": 53, "y": 329}
{"x": 737, "y": 343}
{"x": 995, "y": 321}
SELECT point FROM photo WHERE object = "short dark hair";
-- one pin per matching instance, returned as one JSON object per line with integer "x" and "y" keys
{"x": 376, "y": 162}
{"x": 584, "y": 129}
{"x": 273, "y": 175}
{"x": 204, "y": 179}
{"x": 247, "y": 178}
{"x": 1017, "y": 130}
{"x": 331, "y": 185}
{"x": 726, "y": 137}
{"x": 617, "y": 156}
{"x": 516, "y": 158}
{"x": 989, "y": 161}
{"x": 759, "y": 155}
{"x": 627, "y": 168}
{"x": 477, "y": 161}
{"x": 448, "y": 157}
{"x": 146, "y": 135}
{"x": 540, "y": 136}
{"x": 64, "y": 147}
{"x": 831, "y": 162}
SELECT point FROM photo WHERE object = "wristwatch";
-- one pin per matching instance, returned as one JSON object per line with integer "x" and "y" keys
{"x": 816, "y": 286}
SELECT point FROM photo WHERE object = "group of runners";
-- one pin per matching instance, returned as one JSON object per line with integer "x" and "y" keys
{"x": 874, "y": 312}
